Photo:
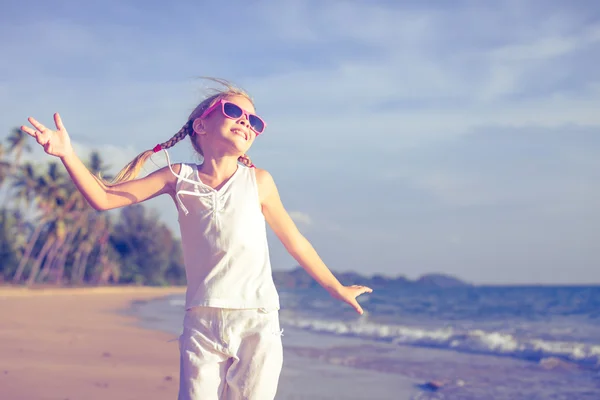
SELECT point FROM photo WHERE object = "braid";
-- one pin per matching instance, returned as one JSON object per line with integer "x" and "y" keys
{"x": 244, "y": 159}
{"x": 183, "y": 132}
{"x": 131, "y": 170}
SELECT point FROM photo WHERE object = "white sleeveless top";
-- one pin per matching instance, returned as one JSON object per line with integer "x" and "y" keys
{"x": 224, "y": 240}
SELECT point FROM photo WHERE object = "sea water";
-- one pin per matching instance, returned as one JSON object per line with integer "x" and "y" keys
{"x": 473, "y": 342}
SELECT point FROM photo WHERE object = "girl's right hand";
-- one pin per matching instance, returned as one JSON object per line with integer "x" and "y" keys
{"x": 56, "y": 143}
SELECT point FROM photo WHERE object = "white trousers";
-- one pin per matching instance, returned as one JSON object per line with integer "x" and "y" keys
{"x": 230, "y": 354}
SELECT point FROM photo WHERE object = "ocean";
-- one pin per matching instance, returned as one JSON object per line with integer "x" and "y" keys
{"x": 466, "y": 343}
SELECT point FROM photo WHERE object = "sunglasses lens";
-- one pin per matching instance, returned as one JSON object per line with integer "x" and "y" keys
{"x": 256, "y": 123}
{"x": 231, "y": 110}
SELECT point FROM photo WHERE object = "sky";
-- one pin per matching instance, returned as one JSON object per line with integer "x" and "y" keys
{"x": 405, "y": 137}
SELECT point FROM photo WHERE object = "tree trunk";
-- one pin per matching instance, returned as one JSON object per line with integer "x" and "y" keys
{"x": 104, "y": 270}
{"x": 52, "y": 254}
{"x": 23, "y": 261}
{"x": 58, "y": 263}
{"x": 38, "y": 262}
{"x": 75, "y": 269}
{"x": 85, "y": 253}
{"x": 68, "y": 245}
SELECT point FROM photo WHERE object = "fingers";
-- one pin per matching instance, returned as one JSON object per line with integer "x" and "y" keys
{"x": 40, "y": 132}
{"x": 362, "y": 289}
{"x": 36, "y": 124}
{"x": 58, "y": 122}
{"x": 29, "y": 131}
{"x": 358, "y": 291}
{"x": 357, "y": 307}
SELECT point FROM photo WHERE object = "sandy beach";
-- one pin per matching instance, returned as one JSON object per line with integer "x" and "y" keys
{"x": 74, "y": 344}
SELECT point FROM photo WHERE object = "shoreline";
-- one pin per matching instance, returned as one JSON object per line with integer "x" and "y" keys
{"x": 305, "y": 376}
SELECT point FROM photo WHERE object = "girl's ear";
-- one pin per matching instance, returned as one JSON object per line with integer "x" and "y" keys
{"x": 198, "y": 126}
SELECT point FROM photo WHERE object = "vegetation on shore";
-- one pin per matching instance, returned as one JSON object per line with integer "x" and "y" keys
{"x": 50, "y": 235}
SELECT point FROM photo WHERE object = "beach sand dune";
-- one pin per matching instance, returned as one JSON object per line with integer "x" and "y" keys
{"x": 74, "y": 344}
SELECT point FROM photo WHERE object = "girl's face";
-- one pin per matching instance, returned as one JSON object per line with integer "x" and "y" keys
{"x": 231, "y": 136}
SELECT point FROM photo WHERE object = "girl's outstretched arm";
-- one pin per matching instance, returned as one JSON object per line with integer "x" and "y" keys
{"x": 99, "y": 196}
{"x": 298, "y": 246}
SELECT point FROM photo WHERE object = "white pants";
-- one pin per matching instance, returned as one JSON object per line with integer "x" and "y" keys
{"x": 230, "y": 354}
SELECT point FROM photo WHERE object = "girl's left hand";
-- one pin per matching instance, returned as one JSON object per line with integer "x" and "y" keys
{"x": 349, "y": 294}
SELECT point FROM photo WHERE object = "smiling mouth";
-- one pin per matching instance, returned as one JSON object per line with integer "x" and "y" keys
{"x": 241, "y": 133}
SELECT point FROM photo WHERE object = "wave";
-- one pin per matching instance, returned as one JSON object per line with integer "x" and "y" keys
{"x": 177, "y": 302}
{"x": 469, "y": 341}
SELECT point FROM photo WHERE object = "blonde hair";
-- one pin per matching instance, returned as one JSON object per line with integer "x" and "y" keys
{"x": 131, "y": 170}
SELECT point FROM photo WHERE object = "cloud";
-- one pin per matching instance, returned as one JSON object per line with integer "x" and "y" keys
{"x": 301, "y": 218}
{"x": 398, "y": 127}
{"x": 547, "y": 48}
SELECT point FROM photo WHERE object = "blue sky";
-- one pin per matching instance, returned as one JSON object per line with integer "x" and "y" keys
{"x": 405, "y": 137}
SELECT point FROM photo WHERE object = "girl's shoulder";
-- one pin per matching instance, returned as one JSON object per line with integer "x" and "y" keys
{"x": 185, "y": 168}
{"x": 180, "y": 169}
{"x": 262, "y": 176}
{"x": 265, "y": 183}
{"x": 171, "y": 173}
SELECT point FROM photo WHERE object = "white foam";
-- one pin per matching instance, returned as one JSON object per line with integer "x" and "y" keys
{"x": 474, "y": 341}
{"x": 177, "y": 302}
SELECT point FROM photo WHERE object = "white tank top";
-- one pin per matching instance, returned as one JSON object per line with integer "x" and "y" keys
{"x": 224, "y": 240}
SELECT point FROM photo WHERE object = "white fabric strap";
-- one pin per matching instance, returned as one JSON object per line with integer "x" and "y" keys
{"x": 180, "y": 192}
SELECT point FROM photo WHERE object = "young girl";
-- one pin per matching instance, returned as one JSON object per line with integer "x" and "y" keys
{"x": 231, "y": 342}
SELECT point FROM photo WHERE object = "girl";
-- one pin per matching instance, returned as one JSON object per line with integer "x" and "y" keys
{"x": 231, "y": 342}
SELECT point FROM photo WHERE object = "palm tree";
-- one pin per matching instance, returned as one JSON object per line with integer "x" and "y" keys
{"x": 5, "y": 168}
{"x": 48, "y": 193}
{"x": 19, "y": 142}
{"x": 92, "y": 233}
{"x": 5, "y": 165}
{"x": 25, "y": 191}
{"x": 64, "y": 236}
{"x": 77, "y": 220}
{"x": 70, "y": 217}
{"x": 96, "y": 165}
{"x": 9, "y": 242}
{"x": 57, "y": 198}
{"x": 107, "y": 268}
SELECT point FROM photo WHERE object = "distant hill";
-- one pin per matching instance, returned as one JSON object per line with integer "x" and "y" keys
{"x": 440, "y": 280}
{"x": 299, "y": 279}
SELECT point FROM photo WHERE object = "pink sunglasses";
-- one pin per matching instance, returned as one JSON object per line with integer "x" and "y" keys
{"x": 233, "y": 111}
